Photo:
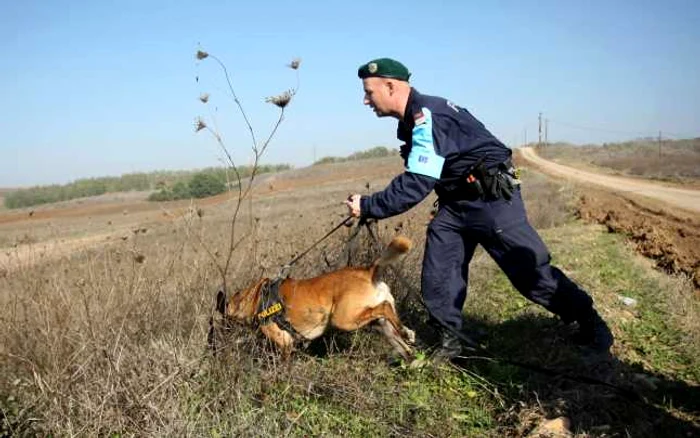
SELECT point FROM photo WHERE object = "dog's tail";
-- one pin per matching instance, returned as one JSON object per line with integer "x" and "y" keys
{"x": 394, "y": 252}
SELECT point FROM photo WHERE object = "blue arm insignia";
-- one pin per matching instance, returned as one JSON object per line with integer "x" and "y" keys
{"x": 423, "y": 159}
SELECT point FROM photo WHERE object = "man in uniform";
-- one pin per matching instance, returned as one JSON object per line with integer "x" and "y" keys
{"x": 448, "y": 150}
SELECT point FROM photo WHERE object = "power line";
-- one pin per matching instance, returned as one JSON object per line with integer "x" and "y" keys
{"x": 612, "y": 131}
{"x": 681, "y": 136}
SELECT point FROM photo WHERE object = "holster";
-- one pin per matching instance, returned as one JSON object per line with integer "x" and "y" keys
{"x": 495, "y": 183}
{"x": 481, "y": 182}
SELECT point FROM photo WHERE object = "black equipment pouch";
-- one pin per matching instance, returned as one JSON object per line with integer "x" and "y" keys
{"x": 487, "y": 177}
{"x": 509, "y": 178}
{"x": 481, "y": 182}
{"x": 496, "y": 182}
{"x": 472, "y": 187}
{"x": 404, "y": 151}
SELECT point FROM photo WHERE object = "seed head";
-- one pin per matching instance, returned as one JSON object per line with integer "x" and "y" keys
{"x": 294, "y": 65}
{"x": 281, "y": 100}
{"x": 204, "y": 97}
{"x": 201, "y": 54}
{"x": 199, "y": 124}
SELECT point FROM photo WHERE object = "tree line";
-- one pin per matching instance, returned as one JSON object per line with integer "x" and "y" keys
{"x": 375, "y": 152}
{"x": 169, "y": 185}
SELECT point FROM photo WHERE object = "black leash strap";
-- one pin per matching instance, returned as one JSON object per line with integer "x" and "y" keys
{"x": 286, "y": 267}
{"x": 470, "y": 345}
{"x": 460, "y": 363}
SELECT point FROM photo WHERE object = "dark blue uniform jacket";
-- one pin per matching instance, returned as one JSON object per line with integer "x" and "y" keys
{"x": 444, "y": 141}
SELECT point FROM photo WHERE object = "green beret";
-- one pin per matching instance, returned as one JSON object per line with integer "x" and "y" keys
{"x": 384, "y": 68}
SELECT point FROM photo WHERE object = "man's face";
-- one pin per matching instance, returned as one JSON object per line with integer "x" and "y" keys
{"x": 377, "y": 95}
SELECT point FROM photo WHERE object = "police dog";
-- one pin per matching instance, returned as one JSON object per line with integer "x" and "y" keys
{"x": 346, "y": 299}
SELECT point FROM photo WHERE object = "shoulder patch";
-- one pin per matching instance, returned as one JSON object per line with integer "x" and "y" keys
{"x": 423, "y": 158}
{"x": 419, "y": 118}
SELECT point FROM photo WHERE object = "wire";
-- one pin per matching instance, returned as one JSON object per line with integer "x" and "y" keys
{"x": 612, "y": 131}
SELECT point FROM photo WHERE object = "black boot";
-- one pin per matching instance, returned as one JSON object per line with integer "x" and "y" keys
{"x": 594, "y": 333}
{"x": 452, "y": 346}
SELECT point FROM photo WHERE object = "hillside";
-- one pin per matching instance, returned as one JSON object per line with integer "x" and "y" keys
{"x": 110, "y": 338}
{"x": 668, "y": 160}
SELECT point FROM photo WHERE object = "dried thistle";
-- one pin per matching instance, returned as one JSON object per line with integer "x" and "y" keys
{"x": 204, "y": 97}
{"x": 294, "y": 65}
{"x": 199, "y": 124}
{"x": 201, "y": 54}
{"x": 281, "y": 100}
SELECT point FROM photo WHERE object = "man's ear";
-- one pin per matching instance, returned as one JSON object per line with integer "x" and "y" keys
{"x": 391, "y": 86}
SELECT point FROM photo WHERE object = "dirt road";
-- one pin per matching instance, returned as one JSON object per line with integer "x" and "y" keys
{"x": 662, "y": 221}
{"x": 686, "y": 199}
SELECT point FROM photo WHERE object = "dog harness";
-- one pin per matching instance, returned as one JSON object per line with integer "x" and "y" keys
{"x": 271, "y": 307}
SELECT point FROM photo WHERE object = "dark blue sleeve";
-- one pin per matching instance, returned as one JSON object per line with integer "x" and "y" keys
{"x": 404, "y": 191}
{"x": 423, "y": 170}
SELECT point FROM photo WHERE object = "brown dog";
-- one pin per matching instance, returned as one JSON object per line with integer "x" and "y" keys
{"x": 347, "y": 299}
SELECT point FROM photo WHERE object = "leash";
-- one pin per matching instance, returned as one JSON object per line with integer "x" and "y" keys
{"x": 460, "y": 361}
{"x": 487, "y": 355}
{"x": 285, "y": 269}
{"x": 276, "y": 309}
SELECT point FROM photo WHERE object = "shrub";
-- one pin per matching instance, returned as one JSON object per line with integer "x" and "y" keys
{"x": 203, "y": 185}
{"x": 375, "y": 152}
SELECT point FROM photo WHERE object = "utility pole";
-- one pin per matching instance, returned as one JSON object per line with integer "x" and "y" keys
{"x": 659, "y": 144}
{"x": 546, "y": 132}
{"x": 539, "y": 130}
{"x": 525, "y": 137}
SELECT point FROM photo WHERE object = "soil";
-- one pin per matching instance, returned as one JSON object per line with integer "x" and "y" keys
{"x": 32, "y": 235}
{"x": 663, "y": 221}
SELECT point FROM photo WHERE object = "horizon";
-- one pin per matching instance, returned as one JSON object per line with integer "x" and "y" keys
{"x": 295, "y": 167}
{"x": 95, "y": 89}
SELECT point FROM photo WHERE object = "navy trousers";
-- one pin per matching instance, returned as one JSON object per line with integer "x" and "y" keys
{"x": 502, "y": 228}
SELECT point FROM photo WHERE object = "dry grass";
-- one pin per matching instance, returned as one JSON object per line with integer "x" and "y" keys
{"x": 677, "y": 160}
{"x": 112, "y": 341}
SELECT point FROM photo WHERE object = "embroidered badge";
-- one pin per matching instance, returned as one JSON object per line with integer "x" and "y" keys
{"x": 372, "y": 67}
{"x": 270, "y": 310}
{"x": 419, "y": 118}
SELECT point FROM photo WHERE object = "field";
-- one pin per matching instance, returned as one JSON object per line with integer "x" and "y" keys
{"x": 671, "y": 160}
{"x": 660, "y": 219}
{"x": 106, "y": 306}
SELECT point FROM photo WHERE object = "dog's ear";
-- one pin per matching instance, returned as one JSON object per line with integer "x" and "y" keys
{"x": 221, "y": 301}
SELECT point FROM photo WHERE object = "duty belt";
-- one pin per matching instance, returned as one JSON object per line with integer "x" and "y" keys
{"x": 481, "y": 182}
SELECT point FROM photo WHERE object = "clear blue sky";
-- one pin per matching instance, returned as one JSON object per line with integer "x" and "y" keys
{"x": 94, "y": 88}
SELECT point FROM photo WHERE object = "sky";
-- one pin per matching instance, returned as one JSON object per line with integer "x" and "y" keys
{"x": 98, "y": 88}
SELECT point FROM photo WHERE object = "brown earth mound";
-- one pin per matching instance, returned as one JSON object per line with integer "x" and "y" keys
{"x": 672, "y": 241}
{"x": 659, "y": 228}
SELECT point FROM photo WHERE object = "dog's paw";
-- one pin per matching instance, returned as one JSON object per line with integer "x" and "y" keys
{"x": 409, "y": 335}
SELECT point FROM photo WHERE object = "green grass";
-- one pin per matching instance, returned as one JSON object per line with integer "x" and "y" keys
{"x": 102, "y": 346}
{"x": 352, "y": 391}
{"x": 355, "y": 394}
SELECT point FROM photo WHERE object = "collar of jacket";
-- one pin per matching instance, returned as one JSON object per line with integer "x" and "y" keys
{"x": 408, "y": 111}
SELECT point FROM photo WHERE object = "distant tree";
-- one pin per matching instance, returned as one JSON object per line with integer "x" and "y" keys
{"x": 181, "y": 190}
{"x": 375, "y": 152}
{"x": 206, "y": 184}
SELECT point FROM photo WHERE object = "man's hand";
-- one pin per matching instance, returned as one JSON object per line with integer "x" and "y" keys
{"x": 353, "y": 203}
